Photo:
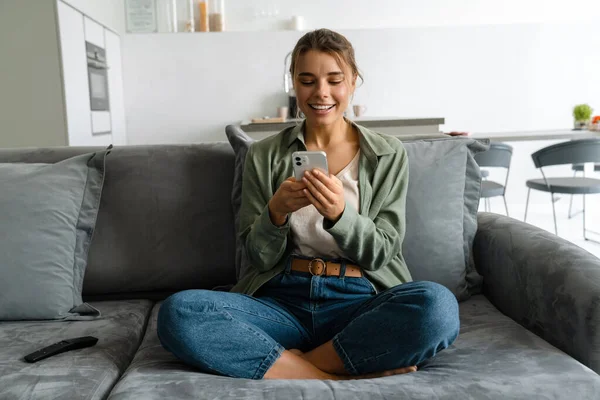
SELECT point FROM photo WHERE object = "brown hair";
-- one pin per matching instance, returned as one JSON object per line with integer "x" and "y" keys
{"x": 329, "y": 42}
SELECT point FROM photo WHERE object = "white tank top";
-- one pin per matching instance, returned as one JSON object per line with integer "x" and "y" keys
{"x": 306, "y": 224}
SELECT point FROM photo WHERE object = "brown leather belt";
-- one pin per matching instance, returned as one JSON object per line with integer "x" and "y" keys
{"x": 317, "y": 266}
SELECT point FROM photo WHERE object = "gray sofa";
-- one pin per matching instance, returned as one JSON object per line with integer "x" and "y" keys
{"x": 166, "y": 224}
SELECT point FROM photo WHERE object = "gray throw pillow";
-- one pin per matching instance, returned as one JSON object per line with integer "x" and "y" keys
{"x": 46, "y": 225}
{"x": 240, "y": 142}
{"x": 441, "y": 212}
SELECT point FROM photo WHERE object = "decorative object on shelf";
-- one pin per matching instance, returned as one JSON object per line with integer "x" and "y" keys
{"x": 359, "y": 110}
{"x": 140, "y": 16}
{"x": 297, "y": 23}
{"x": 190, "y": 21}
{"x": 203, "y": 17}
{"x": 216, "y": 15}
{"x": 282, "y": 112}
{"x": 582, "y": 114}
{"x": 268, "y": 120}
{"x": 167, "y": 16}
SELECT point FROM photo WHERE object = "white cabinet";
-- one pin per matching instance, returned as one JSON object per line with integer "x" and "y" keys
{"x": 75, "y": 77}
{"x": 87, "y": 127}
{"x": 115, "y": 87}
{"x": 94, "y": 32}
{"x": 45, "y": 97}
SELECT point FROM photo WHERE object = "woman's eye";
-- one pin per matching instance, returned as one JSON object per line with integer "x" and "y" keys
{"x": 306, "y": 82}
{"x": 335, "y": 82}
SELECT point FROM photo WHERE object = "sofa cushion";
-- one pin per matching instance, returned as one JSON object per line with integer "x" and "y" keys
{"x": 441, "y": 212}
{"x": 48, "y": 217}
{"x": 441, "y": 209}
{"x": 165, "y": 222}
{"x": 240, "y": 142}
{"x": 493, "y": 358}
{"x": 79, "y": 374}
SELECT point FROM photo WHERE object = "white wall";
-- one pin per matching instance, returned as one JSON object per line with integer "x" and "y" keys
{"x": 110, "y": 13}
{"x": 481, "y": 78}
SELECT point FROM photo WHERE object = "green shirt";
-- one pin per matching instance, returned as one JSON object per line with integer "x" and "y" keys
{"x": 371, "y": 236}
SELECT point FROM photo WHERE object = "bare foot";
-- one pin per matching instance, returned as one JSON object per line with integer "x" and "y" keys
{"x": 390, "y": 372}
{"x": 292, "y": 365}
{"x": 397, "y": 371}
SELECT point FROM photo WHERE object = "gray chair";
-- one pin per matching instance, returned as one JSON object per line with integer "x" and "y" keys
{"x": 572, "y": 152}
{"x": 498, "y": 155}
{"x": 579, "y": 168}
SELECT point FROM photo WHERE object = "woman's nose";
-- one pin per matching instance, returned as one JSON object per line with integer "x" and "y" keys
{"x": 322, "y": 89}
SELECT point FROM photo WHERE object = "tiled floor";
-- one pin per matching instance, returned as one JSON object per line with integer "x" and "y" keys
{"x": 569, "y": 229}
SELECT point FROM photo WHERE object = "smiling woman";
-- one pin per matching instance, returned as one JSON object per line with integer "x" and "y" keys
{"x": 328, "y": 294}
{"x": 325, "y": 72}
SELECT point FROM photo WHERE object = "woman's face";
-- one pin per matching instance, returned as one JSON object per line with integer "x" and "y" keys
{"x": 323, "y": 88}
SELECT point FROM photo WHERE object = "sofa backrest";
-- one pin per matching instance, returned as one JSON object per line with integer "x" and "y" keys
{"x": 165, "y": 221}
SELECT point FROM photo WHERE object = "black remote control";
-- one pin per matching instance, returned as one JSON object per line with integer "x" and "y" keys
{"x": 61, "y": 347}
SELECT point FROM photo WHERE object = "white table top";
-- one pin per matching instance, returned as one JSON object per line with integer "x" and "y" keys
{"x": 535, "y": 135}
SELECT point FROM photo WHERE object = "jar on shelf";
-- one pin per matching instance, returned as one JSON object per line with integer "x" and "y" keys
{"x": 216, "y": 15}
{"x": 202, "y": 25}
{"x": 167, "y": 15}
{"x": 189, "y": 19}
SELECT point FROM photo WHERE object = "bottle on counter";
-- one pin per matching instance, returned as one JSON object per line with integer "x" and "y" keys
{"x": 293, "y": 104}
{"x": 216, "y": 15}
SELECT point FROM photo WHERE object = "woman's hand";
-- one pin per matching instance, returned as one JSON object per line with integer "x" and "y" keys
{"x": 288, "y": 198}
{"x": 326, "y": 193}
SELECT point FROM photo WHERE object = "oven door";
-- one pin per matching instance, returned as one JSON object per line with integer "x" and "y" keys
{"x": 98, "y": 81}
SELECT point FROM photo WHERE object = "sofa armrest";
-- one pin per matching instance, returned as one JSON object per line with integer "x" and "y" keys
{"x": 548, "y": 285}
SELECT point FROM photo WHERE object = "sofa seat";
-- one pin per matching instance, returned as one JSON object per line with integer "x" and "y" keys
{"x": 88, "y": 373}
{"x": 493, "y": 358}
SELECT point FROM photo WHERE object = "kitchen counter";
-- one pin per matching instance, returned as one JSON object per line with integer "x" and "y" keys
{"x": 390, "y": 125}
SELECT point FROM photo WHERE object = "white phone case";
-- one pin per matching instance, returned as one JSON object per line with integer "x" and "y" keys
{"x": 307, "y": 160}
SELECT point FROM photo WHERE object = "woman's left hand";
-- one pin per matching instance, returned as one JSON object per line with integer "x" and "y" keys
{"x": 326, "y": 193}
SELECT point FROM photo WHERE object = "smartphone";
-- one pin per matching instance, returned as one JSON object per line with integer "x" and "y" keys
{"x": 307, "y": 160}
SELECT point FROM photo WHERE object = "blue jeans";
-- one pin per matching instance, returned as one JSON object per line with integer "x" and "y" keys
{"x": 242, "y": 336}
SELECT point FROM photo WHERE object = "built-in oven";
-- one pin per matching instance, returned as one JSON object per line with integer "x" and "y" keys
{"x": 99, "y": 94}
{"x": 97, "y": 77}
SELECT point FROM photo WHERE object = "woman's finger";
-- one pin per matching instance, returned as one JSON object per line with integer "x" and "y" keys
{"x": 314, "y": 201}
{"x": 318, "y": 193}
{"x": 331, "y": 182}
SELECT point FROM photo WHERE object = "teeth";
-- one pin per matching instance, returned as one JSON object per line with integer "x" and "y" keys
{"x": 321, "y": 107}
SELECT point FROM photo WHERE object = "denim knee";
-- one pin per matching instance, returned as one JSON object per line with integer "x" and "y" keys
{"x": 168, "y": 320}
{"x": 198, "y": 327}
{"x": 440, "y": 320}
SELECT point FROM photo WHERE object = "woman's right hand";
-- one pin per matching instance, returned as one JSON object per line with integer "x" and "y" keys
{"x": 288, "y": 198}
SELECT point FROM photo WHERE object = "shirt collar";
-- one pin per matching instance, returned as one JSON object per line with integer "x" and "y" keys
{"x": 375, "y": 143}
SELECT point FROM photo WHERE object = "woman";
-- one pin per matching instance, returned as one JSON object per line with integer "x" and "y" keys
{"x": 329, "y": 294}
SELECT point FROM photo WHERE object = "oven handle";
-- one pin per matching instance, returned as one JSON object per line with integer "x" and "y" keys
{"x": 96, "y": 64}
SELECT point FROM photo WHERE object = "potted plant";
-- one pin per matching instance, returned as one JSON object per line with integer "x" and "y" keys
{"x": 582, "y": 114}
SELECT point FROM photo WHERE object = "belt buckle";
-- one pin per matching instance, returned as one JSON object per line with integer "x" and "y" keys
{"x": 319, "y": 260}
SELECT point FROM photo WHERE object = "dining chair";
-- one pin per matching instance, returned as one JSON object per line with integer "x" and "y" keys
{"x": 579, "y": 168}
{"x": 498, "y": 155}
{"x": 578, "y": 151}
